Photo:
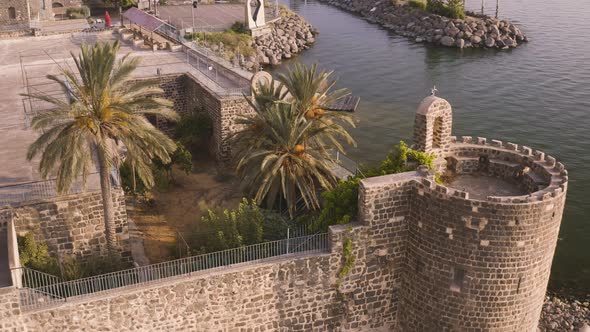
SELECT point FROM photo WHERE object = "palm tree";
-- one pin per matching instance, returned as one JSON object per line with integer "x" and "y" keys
{"x": 283, "y": 149}
{"x": 106, "y": 110}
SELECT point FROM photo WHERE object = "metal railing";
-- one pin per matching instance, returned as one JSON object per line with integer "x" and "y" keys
{"x": 15, "y": 194}
{"x": 54, "y": 293}
{"x": 350, "y": 165}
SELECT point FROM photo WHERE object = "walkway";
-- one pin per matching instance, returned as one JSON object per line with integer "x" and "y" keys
{"x": 27, "y": 61}
{"x": 5, "y": 278}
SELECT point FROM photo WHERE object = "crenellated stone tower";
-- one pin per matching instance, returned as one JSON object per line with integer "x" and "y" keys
{"x": 478, "y": 249}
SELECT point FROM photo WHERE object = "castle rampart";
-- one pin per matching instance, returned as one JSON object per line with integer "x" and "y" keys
{"x": 471, "y": 255}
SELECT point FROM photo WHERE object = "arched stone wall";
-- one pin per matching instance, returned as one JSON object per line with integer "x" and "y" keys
{"x": 432, "y": 126}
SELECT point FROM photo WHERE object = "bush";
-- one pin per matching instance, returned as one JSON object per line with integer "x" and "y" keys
{"x": 181, "y": 157}
{"x": 230, "y": 228}
{"x": 247, "y": 225}
{"x": 238, "y": 27}
{"x": 233, "y": 42}
{"x": 456, "y": 9}
{"x": 340, "y": 205}
{"x": 194, "y": 130}
{"x": 453, "y": 9}
{"x": 78, "y": 12}
{"x": 419, "y": 4}
{"x": 36, "y": 256}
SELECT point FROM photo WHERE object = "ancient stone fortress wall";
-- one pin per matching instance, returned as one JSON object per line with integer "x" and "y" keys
{"x": 480, "y": 263}
{"x": 424, "y": 257}
{"x": 71, "y": 225}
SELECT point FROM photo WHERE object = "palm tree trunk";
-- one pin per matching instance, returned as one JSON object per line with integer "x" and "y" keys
{"x": 107, "y": 204}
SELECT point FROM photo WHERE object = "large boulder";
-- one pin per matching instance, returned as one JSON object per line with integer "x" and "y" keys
{"x": 490, "y": 42}
{"x": 460, "y": 43}
{"x": 447, "y": 41}
{"x": 475, "y": 40}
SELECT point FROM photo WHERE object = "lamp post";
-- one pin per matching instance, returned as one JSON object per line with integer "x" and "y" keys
{"x": 195, "y": 3}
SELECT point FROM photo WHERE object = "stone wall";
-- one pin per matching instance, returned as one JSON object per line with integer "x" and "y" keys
{"x": 20, "y": 10}
{"x": 190, "y": 96}
{"x": 297, "y": 293}
{"x": 71, "y": 225}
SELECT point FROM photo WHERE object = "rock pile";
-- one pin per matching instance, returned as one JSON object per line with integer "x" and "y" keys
{"x": 289, "y": 36}
{"x": 565, "y": 315}
{"x": 422, "y": 26}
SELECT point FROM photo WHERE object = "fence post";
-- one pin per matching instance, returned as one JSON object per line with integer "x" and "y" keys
{"x": 288, "y": 239}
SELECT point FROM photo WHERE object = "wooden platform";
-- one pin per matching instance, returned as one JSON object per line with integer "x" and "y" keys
{"x": 346, "y": 104}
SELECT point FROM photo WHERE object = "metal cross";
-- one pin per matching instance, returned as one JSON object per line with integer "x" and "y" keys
{"x": 434, "y": 90}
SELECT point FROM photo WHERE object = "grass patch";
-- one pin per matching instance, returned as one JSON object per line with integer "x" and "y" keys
{"x": 228, "y": 43}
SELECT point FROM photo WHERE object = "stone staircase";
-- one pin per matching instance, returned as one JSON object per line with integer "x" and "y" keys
{"x": 5, "y": 278}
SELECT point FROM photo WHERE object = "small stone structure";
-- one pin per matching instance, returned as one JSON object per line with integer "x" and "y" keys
{"x": 71, "y": 225}
{"x": 189, "y": 96}
{"x": 427, "y": 257}
{"x": 16, "y": 15}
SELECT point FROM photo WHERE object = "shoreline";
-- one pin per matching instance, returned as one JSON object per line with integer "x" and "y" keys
{"x": 424, "y": 27}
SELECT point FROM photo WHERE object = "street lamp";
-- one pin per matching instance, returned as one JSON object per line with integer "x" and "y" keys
{"x": 195, "y": 3}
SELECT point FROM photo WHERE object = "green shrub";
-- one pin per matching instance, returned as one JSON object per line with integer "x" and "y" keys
{"x": 238, "y": 27}
{"x": 230, "y": 228}
{"x": 78, "y": 12}
{"x": 194, "y": 130}
{"x": 248, "y": 224}
{"x": 36, "y": 256}
{"x": 340, "y": 205}
{"x": 456, "y": 9}
{"x": 403, "y": 159}
{"x": 233, "y": 42}
{"x": 420, "y": 4}
{"x": 181, "y": 157}
{"x": 452, "y": 9}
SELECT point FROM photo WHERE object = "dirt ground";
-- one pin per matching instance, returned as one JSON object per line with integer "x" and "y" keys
{"x": 178, "y": 208}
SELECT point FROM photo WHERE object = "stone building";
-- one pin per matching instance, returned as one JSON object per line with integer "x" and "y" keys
{"x": 16, "y": 14}
{"x": 471, "y": 255}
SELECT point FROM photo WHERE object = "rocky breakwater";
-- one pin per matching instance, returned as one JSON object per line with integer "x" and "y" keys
{"x": 288, "y": 36}
{"x": 422, "y": 26}
{"x": 561, "y": 314}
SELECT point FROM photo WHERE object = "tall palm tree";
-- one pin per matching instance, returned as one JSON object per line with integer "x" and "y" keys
{"x": 106, "y": 110}
{"x": 283, "y": 149}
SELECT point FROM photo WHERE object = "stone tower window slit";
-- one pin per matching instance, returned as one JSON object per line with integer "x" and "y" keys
{"x": 11, "y": 13}
{"x": 437, "y": 132}
{"x": 458, "y": 279}
{"x": 518, "y": 286}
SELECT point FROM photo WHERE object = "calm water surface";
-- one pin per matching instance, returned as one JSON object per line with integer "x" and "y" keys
{"x": 536, "y": 95}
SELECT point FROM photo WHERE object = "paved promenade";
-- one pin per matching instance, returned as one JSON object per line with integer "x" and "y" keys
{"x": 27, "y": 61}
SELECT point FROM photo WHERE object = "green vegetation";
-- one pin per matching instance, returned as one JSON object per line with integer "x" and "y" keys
{"x": 349, "y": 258}
{"x": 182, "y": 158}
{"x": 227, "y": 44}
{"x": 194, "y": 131}
{"x": 246, "y": 225}
{"x": 282, "y": 152}
{"x": 340, "y": 204}
{"x": 105, "y": 109}
{"x": 420, "y": 4}
{"x": 36, "y": 256}
{"x": 78, "y": 12}
{"x": 452, "y": 9}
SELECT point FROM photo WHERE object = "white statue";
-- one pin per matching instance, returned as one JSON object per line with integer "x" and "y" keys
{"x": 255, "y": 14}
